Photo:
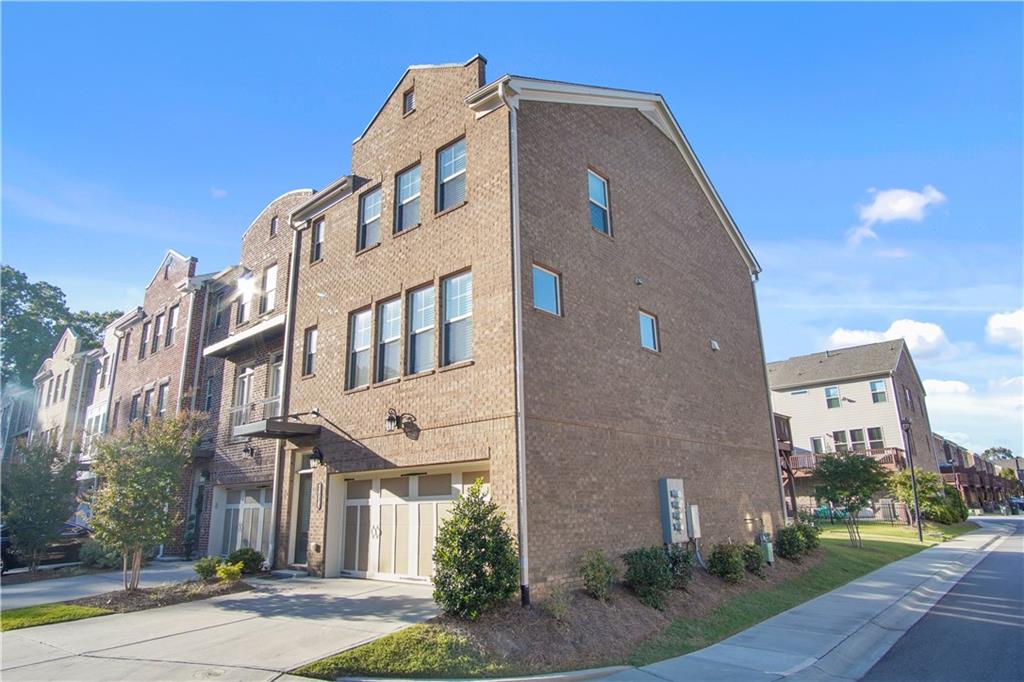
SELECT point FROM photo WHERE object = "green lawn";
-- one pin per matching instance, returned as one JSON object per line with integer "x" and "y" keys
{"x": 880, "y": 530}
{"x": 44, "y": 614}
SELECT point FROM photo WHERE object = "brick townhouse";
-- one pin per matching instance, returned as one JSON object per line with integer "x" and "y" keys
{"x": 159, "y": 362}
{"x": 535, "y": 285}
{"x": 242, "y": 384}
{"x": 974, "y": 477}
{"x": 63, "y": 389}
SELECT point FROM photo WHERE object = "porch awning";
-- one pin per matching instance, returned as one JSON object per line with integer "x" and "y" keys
{"x": 275, "y": 427}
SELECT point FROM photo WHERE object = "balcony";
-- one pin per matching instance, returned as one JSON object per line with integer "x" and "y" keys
{"x": 263, "y": 419}
{"x": 257, "y": 335}
{"x": 891, "y": 458}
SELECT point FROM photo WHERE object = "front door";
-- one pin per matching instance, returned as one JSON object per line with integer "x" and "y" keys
{"x": 302, "y": 518}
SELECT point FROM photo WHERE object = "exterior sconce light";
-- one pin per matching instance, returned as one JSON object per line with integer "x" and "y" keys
{"x": 250, "y": 451}
{"x": 393, "y": 420}
{"x": 316, "y": 457}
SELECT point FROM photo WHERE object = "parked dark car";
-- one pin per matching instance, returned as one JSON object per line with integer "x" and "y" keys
{"x": 64, "y": 551}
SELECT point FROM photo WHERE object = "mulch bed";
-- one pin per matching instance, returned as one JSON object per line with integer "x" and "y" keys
{"x": 594, "y": 633}
{"x": 164, "y": 595}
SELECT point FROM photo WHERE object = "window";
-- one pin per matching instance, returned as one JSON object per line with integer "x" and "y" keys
{"x": 909, "y": 397}
{"x": 857, "y": 439}
{"x": 309, "y": 352}
{"x": 273, "y": 403}
{"x": 875, "y": 441}
{"x": 649, "y": 332}
{"x": 243, "y": 388}
{"x": 451, "y": 175}
{"x": 143, "y": 340}
{"x": 878, "y": 391}
{"x": 547, "y": 293}
{"x": 161, "y": 400}
{"x": 369, "y": 219}
{"x": 114, "y": 415}
{"x": 839, "y": 438}
{"x": 172, "y": 324}
{"x": 127, "y": 345}
{"x": 408, "y": 101}
{"x": 158, "y": 324}
{"x": 208, "y": 399}
{"x": 167, "y": 270}
{"x": 421, "y": 330}
{"x": 273, "y": 226}
{"x": 359, "y": 339}
{"x": 389, "y": 338}
{"x": 832, "y": 397}
{"x": 269, "y": 298}
{"x": 147, "y": 406}
{"x": 49, "y": 391}
{"x": 64, "y": 385}
{"x": 817, "y": 446}
{"x": 133, "y": 410}
{"x": 245, "y": 290}
{"x": 597, "y": 191}
{"x": 104, "y": 368}
{"x": 316, "y": 245}
{"x": 457, "y": 340}
{"x": 215, "y": 314}
{"x": 407, "y": 208}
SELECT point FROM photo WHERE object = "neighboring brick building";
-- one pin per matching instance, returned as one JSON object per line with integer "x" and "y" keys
{"x": 533, "y": 284}
{"x": 974, "y": 477}
{"x": 64, "y": 386}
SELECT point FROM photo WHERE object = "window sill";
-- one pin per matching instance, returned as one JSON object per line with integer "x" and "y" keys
{"x": 386, "y": 382}
{"x": 456, "y": 365}
{"x": 603, "y": 234}
{"x": 450, "y": 209}
{"x": 547, "y": 313}
{"x": 357, "y": 389}
{"x": 303, "y": 377}
{"x": 409, "y": 113}
{"x": 405, "y": 231}
{"x": 318, "y": 261}
{"x": 368, "y": 248}
{"x": 652, "y": 352}
{"x": 417, "y": 375}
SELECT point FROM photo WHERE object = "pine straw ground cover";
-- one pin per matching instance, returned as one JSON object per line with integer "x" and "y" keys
{"x": 581, "y": 632}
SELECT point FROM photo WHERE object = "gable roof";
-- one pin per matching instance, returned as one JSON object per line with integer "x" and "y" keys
{"x": 857, "y": 362}
{"x": 510, "y": 89}
{"x": 168, "y": 257}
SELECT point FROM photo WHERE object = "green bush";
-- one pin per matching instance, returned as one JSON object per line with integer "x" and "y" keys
{"x": 946, "y": 509}
{"x": 206, "y": 568}
{"x": 229, "y": 573}
{"x": 753, "y": 559}
{"x": 476, "y": 566}
{"x": 92, "y": 554}
{"x": 726, "y": 561}
{"x": 809, "y": 532}
{"x": 790, "y": 543}
{"x": 597, "y": 572}
{"x": 649, "y": 575}
{"x": 251, "y": 560}
{"x": 680, "y": 562}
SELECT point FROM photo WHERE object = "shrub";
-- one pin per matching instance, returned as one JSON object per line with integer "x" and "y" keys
{"x": 206, "y": 568}
{"x": 649, "y": 575}
{"x": 753, "y": 559}
{"x": 92, "y": 554}
{"x": 680, "y": 562}
{"x": 476, "y": 567}
{"x": 251, "y": 560}
{"x": 790, "y": 543}
{"x": 597, "y": 572}
{"x": 726, "y": 561}
{"x": 229, "y": 573}
{"x": 809, "y": 532}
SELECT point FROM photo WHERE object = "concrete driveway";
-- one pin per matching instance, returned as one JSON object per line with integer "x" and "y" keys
{"x": 256, "y": 635}
{"x": 79, "y": 586}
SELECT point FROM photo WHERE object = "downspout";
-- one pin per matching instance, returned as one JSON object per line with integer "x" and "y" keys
{"x": 201, "y": 345}
{"x": 517, "y": 317}
{"x": 113, "y": 375}
{"x": 286, "y": 384}
{"x": 768, "y": 394}
{"x": 78, "y": 399}
{"x": 184, "y": 350}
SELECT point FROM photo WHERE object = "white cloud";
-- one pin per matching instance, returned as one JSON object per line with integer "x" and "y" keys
{"x": 945, "y": 387}
{"x": 1006, "y": 328}
{"x": 977, "y": 419}
{"x": 218, "y": 193}
{"x": 925, "y": 339}
{"x": 890, "y": 205}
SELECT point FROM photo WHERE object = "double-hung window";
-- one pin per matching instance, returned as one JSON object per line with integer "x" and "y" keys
{"x": 408, "y": 101}
{"x": 158, "y": 324}
{"x": 369, "y": 219}
{"x": 909, "y": 397}
{"x": 127, "y": 346}
{"x": 208, "y": 400}
{"x": 546, "y": 291}
{"x": 218, "y": 306}
{"x": 421, "y": 330}
{"x": 133, "y": 410}
{"x": 147, "y": 406}
{"x": 161, "y": 400}
{"x": 875, "y": 441}
{"x": 359, "y": 339}
{"x": 245, "y": 291}
{"x": 273, "y": 226}
{"x": 817, "y": 446}
{"x": 649, "y": 332}
{"x": 457, "y": 339}
{"x": 104, "y": 369}
{"x": 309, "y": 352}
{"x": 269, "y": 298}
{"x": 451, "y": 175}
{"x": 839, "y": 438}
{"x": 857, "y": 440}
{"x": 389, "y": 339}
{"x": 172, "y": 324}
{"x": 64, "y": 385}
{"x": 144, "y": 340}
{"x": 878, "y": 391}
{"x": 316, "y": 241}
{"x": 832, "y": 398}
{"x": 597, "y": 192}
{"x": 407, "y": 208}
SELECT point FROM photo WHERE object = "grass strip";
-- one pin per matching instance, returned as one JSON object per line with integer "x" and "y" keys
{"x": 44, "y": 614}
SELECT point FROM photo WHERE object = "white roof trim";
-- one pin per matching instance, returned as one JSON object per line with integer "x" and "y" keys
{"x": 264, "y": 209}
{"x": 651, "y": 105}
{"x": 171, "y": 253}
{"x": 321, "y": 201}
{"x": 262, "y": 327}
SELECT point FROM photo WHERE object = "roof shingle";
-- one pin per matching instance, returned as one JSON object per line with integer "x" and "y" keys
{"x": 835, "y": 365}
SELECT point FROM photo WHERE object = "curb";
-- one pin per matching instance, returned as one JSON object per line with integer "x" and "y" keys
{"x": 572, "y": 676}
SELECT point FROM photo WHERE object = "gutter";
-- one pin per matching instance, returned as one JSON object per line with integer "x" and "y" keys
{"x": 200, "y": 346}
{"x": 84, "y": 365}
{"x": 517, "y": 316}
{"x": 119, "y": 335}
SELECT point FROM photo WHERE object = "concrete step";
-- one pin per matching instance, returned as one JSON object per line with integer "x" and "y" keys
{"x": 286, "y": 573}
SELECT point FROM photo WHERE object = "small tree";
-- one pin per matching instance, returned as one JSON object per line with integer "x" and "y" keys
{"x": 849, "y": 481}
{"x": 476, "y": 565}
{"x": 38, "y": 497}
{"x": 929, "y": 490}
{"x": 139, "y": 471}
{"x": 1013, "y": 485}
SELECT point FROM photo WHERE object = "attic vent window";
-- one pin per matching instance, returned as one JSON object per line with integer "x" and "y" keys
{"x": 408, "y": 101}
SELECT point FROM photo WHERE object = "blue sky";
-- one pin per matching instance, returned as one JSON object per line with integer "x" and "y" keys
{"x": 871, "y": 154}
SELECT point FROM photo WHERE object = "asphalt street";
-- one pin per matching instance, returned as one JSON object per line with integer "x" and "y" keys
{"x": 975, "y": 632}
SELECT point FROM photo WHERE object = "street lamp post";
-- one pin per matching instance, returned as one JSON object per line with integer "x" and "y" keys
{"x": 905, "y": 423}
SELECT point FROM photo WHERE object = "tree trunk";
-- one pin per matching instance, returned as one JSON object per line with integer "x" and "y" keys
{"x": 136, "y": 568}
{"x": 124, "y": 569}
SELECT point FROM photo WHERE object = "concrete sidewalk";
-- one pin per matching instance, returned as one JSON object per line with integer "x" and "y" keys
{"x": 79, "y": 586}
{"x": 839, "y": 635}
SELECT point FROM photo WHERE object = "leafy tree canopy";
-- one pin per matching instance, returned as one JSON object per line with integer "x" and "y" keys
{"x": 849, "y": 481}
{"x": 998, "y": 453}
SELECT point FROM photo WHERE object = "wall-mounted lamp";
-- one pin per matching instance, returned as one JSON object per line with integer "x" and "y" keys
{"x": 393, "y": 420}
{"x": 250, "y": 451}
{"x": 316, "y": 457}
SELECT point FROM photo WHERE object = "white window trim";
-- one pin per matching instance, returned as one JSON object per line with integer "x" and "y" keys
{"x": 384, "y": 341}
{"x": 558, "y": 292}
{"x": 402, "y": 202}
{"x": 606, "y": 207}
{"x": 354, "y": 350}
{"x": 657, "y": 332}
{"x": 364, "y": 220}
{"x": 442, "y": 180}
{"x": 414, "y": 332}
{"x": 838, "y": 396}
{"x": 309, "y": 343}
{"x": 316, "y": 241}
